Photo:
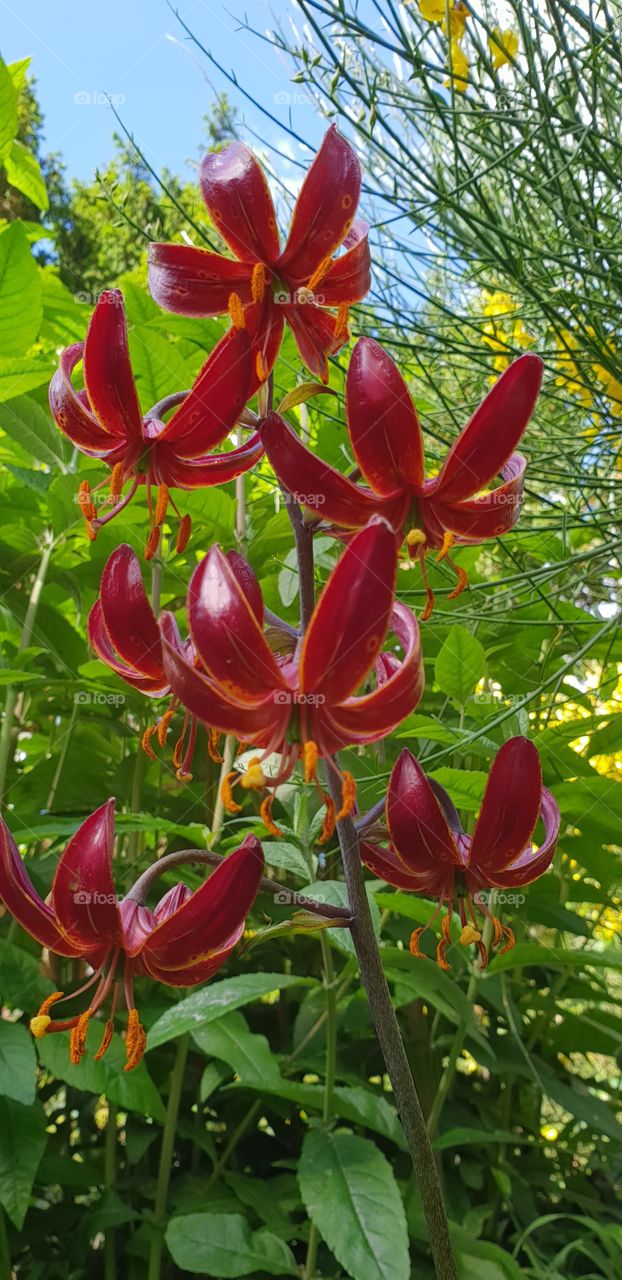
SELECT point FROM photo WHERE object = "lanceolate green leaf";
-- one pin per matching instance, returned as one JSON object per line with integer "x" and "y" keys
{"x": 22, "y": 1142}
{"x": 224, "y": 1245}
{"x": 210, "y": 1002}
{"x": 20, "y": 293}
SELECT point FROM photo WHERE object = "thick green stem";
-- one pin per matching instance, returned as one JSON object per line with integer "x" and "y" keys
{"x": 110, "y": 1170}
{"x": 166, "y": 1159}
{"x": 219, "y": 808}
{"x": 13, "y": 697}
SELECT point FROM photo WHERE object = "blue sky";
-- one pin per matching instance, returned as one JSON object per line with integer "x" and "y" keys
{"x": 136, "y": 51}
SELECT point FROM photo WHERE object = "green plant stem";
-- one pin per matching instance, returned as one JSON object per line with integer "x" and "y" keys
{"x": 166, "y": 1158}
{"x": 219, "y": 807}
{"x": 12, "y": 694}
{"x": 5, "y": 1257}
{"x": 110, "y": 1168}
{"x": 329, "y": 1082}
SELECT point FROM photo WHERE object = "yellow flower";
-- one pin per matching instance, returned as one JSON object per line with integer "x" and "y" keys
{"x": 459, "y": 68}
{"x": 503, "y": 46}
{"x": 458, "y": 15}
{"x": 520, "y": 335}
{"x": 432, "y": 10}
{"x": 498, "y": 303}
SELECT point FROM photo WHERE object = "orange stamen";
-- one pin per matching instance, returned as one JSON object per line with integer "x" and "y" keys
{"x": 341, "y": 326}
{"x": 153, "y": 543}
{"x": 183, "y": 536}
{"x": 262, "y": 372}
{"x": 328, "y": 825}
{"x": 429, "y": 594}
{"x": 77, "y": 1039}
{"x": 265, "y": 813}
{"x": 86, "y": 502}
{"x": 116, "y": 481}
{"x": 162, "y": 726}
{"x": 226, "y": 792}
{"x": 310, "y": 756}
{"x": 413, "y": 945}
{"x": 212, "y": 746}
{"x": 258, "y": 282}
{"x": 463, "y": 579}
{"x": 318, "y": 274}
{"x": 106, "y": 1039}
{"x": 236, "y": 311}
{"x": 348, "y": 796}
{"x": 511, "y": 940}
{"x": 135, "y": 1041}
{"x": 444, "y": 943}
{"x": 145, "y": 742}
{"x": 41, "y": 1022}
{"x": 161, "y": 503}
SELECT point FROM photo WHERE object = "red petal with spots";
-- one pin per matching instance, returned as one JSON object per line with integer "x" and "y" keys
{"x": 206, "y": 921}
{"x": 238, "y": 199}
{"x": 257, "y": 722}
{"x": 314, "y": 333}
{"x": 324, "y": 490}
{"x": 382, "y": 421}
{"x": 248, "y": 582}
{"x": 417, "y": 825}
{"x": 486, "y": 517}
{"x": 226, "y": 634}
{"x": 529, "y": 865}
{"x": 216, "y": 399}
{"x": 265, "y": 322}
{"x": 351, "y": 618}
{"x": 510, "y": 807}
{"x": 107, "y": 369}
{"x": 195, "y": 282}
{"x": 71, "y": 415}
{"x": 128, "y": 616}
{"x": 385, "y": 864}
{"x": 491, "y": 436}
{"x": 373, "y": 715}
{"x": 83, "y": 892}
{"x": 324, "y": 210}
{"x": 22, "y": 900}
{"x": 348, "y": 278}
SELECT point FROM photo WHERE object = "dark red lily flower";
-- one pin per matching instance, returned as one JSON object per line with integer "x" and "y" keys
{"x": 183, "y": 941}
{"x": 262, "y": 287}
{"x": 124, "y": 634}
{"x": 388, "y": 446}
{"x": 431, "y": 854}
{"x": 299, "y": 703}
{"x": 105, "y": 420}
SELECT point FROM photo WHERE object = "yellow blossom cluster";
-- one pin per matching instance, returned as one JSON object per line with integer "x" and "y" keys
{"x": 572, "y": 376}
{"x": 452, "y": 17}
{"x": 504, "y": 330}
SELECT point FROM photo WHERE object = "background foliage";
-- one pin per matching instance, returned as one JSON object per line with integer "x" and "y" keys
{"x": 495, "y": 217}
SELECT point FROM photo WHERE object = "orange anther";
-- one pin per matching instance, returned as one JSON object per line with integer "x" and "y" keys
{"x": 161, "y": 503}
{"x": 258, "y": 282}
{"x": 183, "y": 535}
{"x": 236, "y": 311}
{"x": 135, "y": 1041}
{"x": 77, "y": 1039}
{"x": 348, "y": 796}
{"x": 265, "y": 813}
{"x": 310, "y": 756}
{"x": 153, "y": 543}
{"x": 145, "y": 742}
{"x": 116, "y": 481}
{"x": 212, "y": 746}
{"x": 226, "y": 792}
{"x": 105, "y": 1042}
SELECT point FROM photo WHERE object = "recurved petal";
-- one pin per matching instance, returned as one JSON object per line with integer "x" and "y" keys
{"x": 314, "y": 332}
{"x": 373, "y": 715}
{"x": 349, "y": 276}
{"x": 206, "y": 921}
{"x": 71, "y": 415}
{"x": 108, "y": 373}
{"x": 265, "y": 322}
{"x": 83, "y": 891}
{"x": 324, "y": 210}
{"x": 248, "y": 582}
{"x": 351, "y": 618}
{"x": 226, "y": 634}
{"x": 419, "y": 830}
{"x": 492, "y": 434}
{"x": 385, "y": 864}
{"x": 251, "y": 722}
{"x": 189, "y": 975}
{"x": 195, "y": 282}
{"x": 510, "y": 807}
{"x": 487, "y": 517}
{"x": 216, "y": 468}
{"x": 21, "y": 898}
{"x": 321, "y": 488}
{"x": 215, "y": 401}
{"x": 99, "y": 641}
{"x": 234, "y": 188}
{"x": 530, "y": 865}
{"x": 382, "y": 421}
{"x": 128, "y": 616}
{"x": 171, "y": 902}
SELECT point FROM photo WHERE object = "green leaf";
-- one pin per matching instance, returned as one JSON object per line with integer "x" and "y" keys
{"x": 131, "y": 1090}
{"x": 18, "y": 1063}
{"x": 209, "y": 1004}
{"x": 22, "y": 374}
{"x": 22, "y": 984}
{"x": 22, "y": 1143}
{"x": 531, "y": 953}
{"x": 249, "y": 1055}
{"x": 465, "y": 1137}
{"x": 21, "y": 309}
{"x": 24, "y": 172}
{"x": 31, "y": 427}
{"x": 336, "y": 893}
{"x": 465, "y": 786}
{"x": 460, "y": 664}
{"x": 351, "y": 1196}
{"x": 280, "y": 853}
{"x": 222, "y": 1244}
{"x": 8, "y": 109}
{"x": 158, "y": 367}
